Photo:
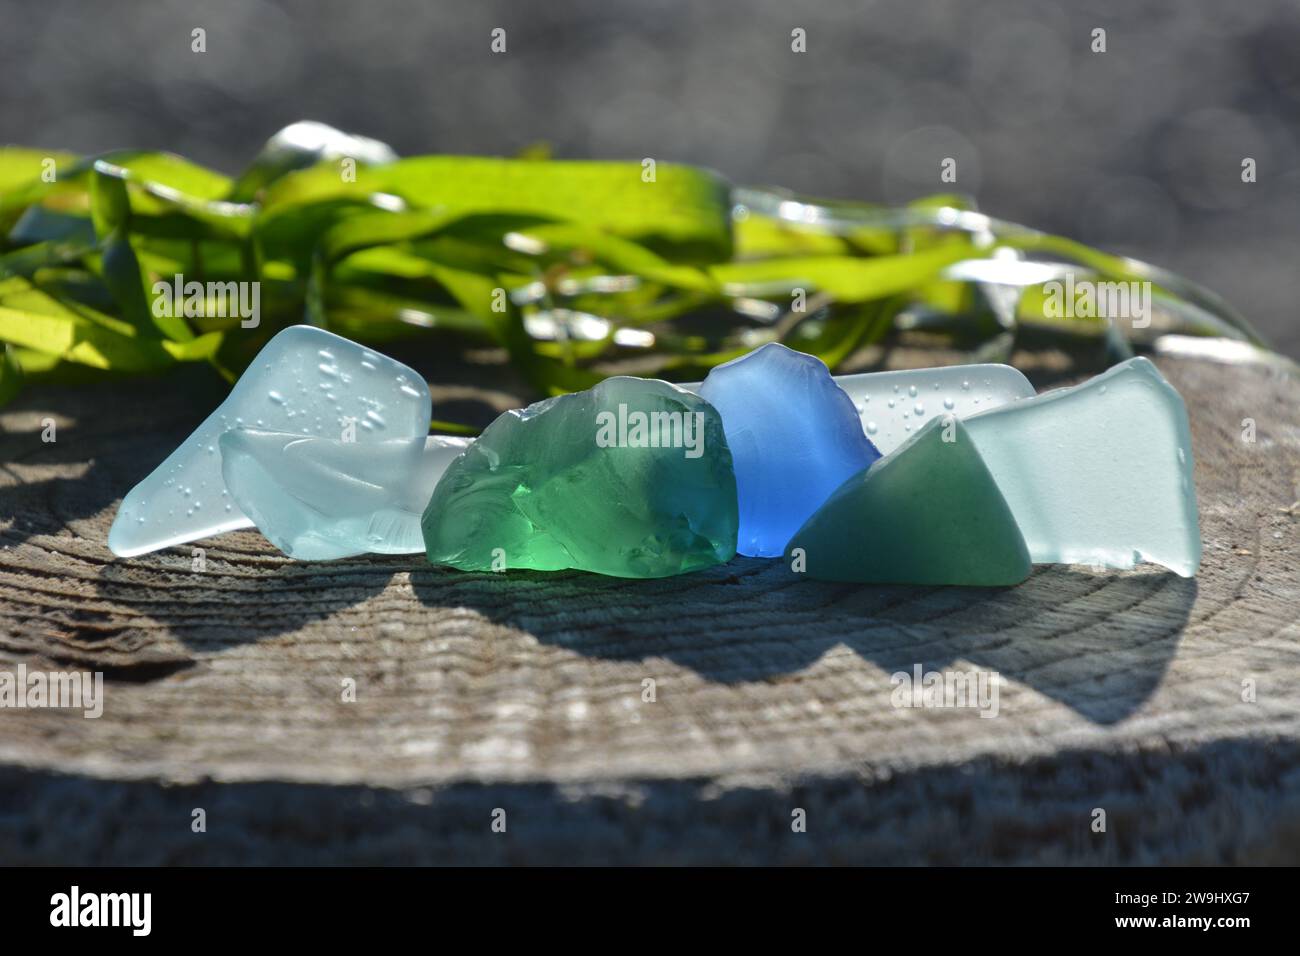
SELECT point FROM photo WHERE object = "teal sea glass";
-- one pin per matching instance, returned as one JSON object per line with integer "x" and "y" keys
{"x": 927, "y": 513}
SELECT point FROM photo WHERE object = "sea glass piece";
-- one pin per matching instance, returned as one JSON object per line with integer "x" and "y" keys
{"x": 321, "y": 498}
{"x": 1100, "y": 473}
{"x": 632, "y": 478}
{"x": 304, "y": 380}
{"x": 893, "y": 405}
{"x": 927, "y": 513}
{"x": 794, "y": 438}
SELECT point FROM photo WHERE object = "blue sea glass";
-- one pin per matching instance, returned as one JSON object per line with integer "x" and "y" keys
{"x": 1100, "y": 473}
{"x": 305, "y": 380}
{"x": 794, "y": 437}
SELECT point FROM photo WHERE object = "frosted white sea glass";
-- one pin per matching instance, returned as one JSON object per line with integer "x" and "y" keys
{"x": 1100, "y": 473}
{"x": 894, "y": 405}
{"x": 321, "y": 498}
{"x": 305, "y": 380}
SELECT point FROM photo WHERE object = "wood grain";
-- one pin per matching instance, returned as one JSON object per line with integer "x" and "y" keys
{"x": 524, "y": 692}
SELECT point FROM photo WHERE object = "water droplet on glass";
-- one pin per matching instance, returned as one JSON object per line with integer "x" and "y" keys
{"x": 872, "y": 428}
{"x": 919, "y": 408}
{"x": 912, "y": 391}
{"x": 949, "y": 404}
{"x": 275, "y": 397}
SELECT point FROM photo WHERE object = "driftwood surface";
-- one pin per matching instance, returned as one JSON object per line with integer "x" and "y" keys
{"x": 1126, "y": 692}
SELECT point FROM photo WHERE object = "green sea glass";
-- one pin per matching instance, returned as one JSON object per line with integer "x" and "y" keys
{"x": 927, "y": 513}
{"x": 1100, "y": 473}
{"x": 632, "y": 478}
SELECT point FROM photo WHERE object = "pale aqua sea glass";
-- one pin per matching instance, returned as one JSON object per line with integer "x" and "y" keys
{"x": 321, "y": 498}
{"x": 305, "y": 380}
{"x": 894, "y": 405}
{"x": 1100, "y": 473}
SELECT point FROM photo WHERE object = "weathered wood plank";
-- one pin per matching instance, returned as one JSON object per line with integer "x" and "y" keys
{"x": 1119, "y": 690}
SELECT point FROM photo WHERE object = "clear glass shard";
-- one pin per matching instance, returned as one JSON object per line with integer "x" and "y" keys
{"x": 322, "y": 498}
{"x": 1100, "y": 473}
{"x": 305, "y": 380}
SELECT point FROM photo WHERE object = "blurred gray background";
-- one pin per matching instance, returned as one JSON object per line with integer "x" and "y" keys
{"x": 1137, "y": 150}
